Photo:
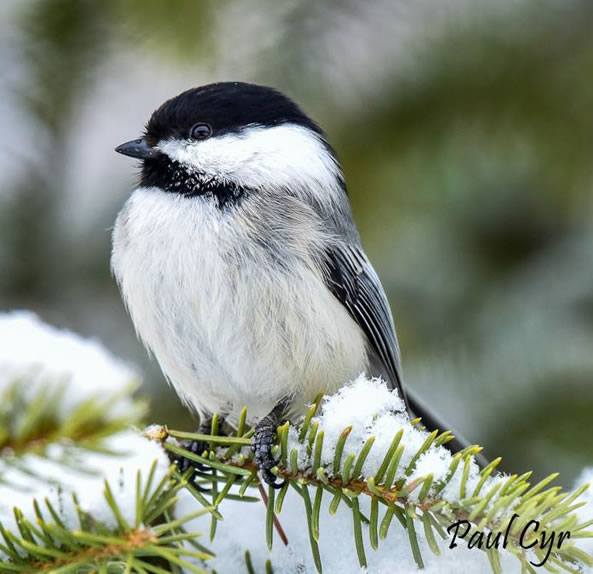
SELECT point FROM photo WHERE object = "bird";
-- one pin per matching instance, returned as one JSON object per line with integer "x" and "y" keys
{"x": 240, "y": 264}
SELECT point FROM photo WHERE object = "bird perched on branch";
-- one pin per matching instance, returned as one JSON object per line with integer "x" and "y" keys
{"x": 240, "y": 263}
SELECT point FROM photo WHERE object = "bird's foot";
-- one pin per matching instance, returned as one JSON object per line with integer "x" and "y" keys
{"x": 263, "y": 441}
{"x": 197, "y": 447}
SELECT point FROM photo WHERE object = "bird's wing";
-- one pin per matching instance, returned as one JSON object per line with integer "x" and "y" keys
{"x": 351, "y": 278}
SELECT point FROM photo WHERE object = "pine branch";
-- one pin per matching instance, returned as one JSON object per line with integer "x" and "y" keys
{"x": 29, "y": 423}
{"x": 153, "y": 542}
{"x": 80, "y": 491}
{"x": 427, "y": 502}
{"x": 58, "y": 535}
{"x": 32, "y": 421}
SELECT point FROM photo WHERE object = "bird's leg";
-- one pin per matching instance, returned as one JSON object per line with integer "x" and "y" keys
{"x": 197, "y": 446}
{"x": 263, "y": 440}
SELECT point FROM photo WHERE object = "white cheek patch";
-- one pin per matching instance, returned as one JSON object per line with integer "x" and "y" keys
{"x": 278, "y": 156}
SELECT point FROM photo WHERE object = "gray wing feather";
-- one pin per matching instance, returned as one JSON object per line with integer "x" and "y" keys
{"x": 353, "y": 281}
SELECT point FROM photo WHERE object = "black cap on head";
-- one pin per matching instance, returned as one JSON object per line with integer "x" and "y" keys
{"x": 227, "y": 107}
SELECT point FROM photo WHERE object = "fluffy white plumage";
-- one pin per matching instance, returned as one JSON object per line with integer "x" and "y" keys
{"x": 232, "y": 322}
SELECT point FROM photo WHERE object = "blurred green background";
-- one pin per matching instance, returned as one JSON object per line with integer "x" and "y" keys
{"x": 465, "y": 128}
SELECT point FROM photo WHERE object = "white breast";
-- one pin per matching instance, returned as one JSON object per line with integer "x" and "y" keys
{"x": 229, "y": 326}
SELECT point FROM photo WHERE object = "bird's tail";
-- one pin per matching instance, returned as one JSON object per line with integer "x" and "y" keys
{"x": 433, "y": 422}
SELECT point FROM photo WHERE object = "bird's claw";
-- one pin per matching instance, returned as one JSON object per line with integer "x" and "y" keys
{"x": 195, "y": 447}
{"x": 263, "y": 441}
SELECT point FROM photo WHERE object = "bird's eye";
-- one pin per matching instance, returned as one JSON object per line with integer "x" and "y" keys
{"x": 201, "y": 131}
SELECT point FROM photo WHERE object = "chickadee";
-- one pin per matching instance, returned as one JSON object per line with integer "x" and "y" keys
{"x": 240, "y": 263}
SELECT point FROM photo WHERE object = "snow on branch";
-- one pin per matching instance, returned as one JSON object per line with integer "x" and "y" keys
{"x": 55, "y": 385}
{"x": 394, "y": 491}
{"x": 38, "y": 352}
{"x": 78, "y": 488}
{"x": 123, "y": 525}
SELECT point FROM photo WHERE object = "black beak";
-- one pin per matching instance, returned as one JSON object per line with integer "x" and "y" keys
{"x": 138, "y": 149}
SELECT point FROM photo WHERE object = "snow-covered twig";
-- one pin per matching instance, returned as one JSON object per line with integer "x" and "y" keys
{"x": 56, "y": 387}
{"x": 400, "y": 471}
{"x": 79, "y": 490}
